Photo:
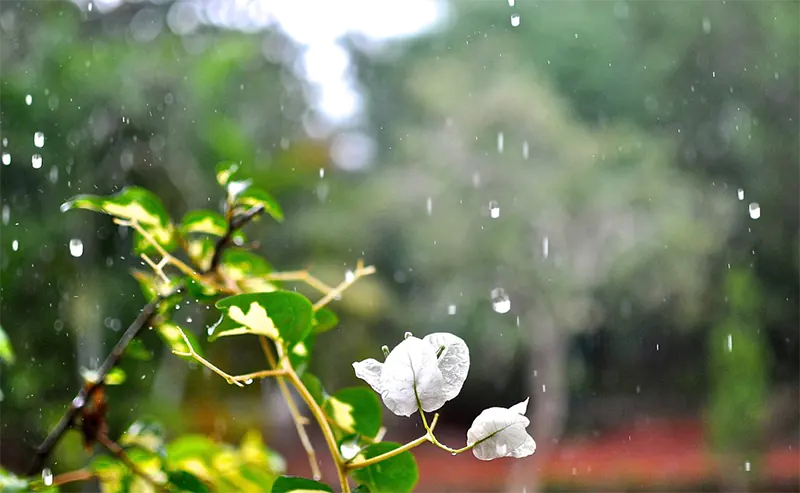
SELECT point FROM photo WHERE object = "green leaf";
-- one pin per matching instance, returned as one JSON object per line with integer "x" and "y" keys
{"x": 300, "y": 354}
{"x": 253, "y": 452}
{"x": 203, "y": 221}
{"x": 238, "y": 264}
{"x": 314, "y": 387}
{"x": 153, "y": 286}
{"x": 187, "y": 482}
{"x": 199, "y": 290}
{"x": 113, "y": 475}
{"x": 324, "y": 320}
{"x": 6, "y": 351}
{"x": 148, "y": 463}
{"x": 146, "y": 434}
{"x": 226, "y": 171}
{"x": 287, "y": 484}
{"x": 10, "y": 482}
{"x": 138, "y": 351}
{"x": 191, "y": 447}
{"x": 252, "y": 197}
{"x": 170, "y": 333}
{"x": 355, "y": 410}
{"x": 284, "y": 315}
{"x": 201, "y": 251}
{"x": 132, "y": 203}
{"x": 396, "y": 475}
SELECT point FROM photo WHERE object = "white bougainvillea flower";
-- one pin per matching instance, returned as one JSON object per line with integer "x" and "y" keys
{"x": 418, "y": 373}
{"x": 499, "y": 432}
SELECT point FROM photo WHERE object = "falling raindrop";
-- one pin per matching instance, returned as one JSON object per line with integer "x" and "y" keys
{"x": 545, "y": 247}
{"x": 526, "y": 150}
{"x": 6, "y": 214}
{"x": 476, "y": 179}
{"x": 451, "y": 309}
{"x": 429, "y": 206}
{"x": 322, "y": 172}
{"x": 494, "y": 209}
{"x": 500, "y": 141}
{"x": 38, "y": 139}
{"x": 514, "y": 20}
{"x": 15, "y": 245}
{"x": 511, "y": 3}
{"x": 28, "y": 99}
{"x": 36, "y": 161}
{"x": 754, "y": 209}
{"x": 501, "y": 303}
{"x": 53, "y": 175}
{"x": 75, "y": 247}
{"x": 740, "y": 194}
{"x": 747, "y": 466}
{"x": 730, "y": 342}
{"x": 6, "y": 158}
{"x": 706, "y": 25}
{"x": 349, "y": 276}
{"x": 47, "y": 477}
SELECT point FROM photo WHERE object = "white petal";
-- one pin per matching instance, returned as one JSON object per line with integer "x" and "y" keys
{"x": 410, "y": 367}
{"x": 453, "y": 362}
{"x": 369, "y": 370}
{"x": 500, "y": 432}
{"x": 520, "y": 408}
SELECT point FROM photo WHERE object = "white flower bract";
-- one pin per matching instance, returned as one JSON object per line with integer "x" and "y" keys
{"x": 413, "y": 376}
{"x": 499, "y": 432}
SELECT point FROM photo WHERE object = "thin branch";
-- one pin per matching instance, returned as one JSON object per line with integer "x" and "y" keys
{"x": 178, "y": 263}
{"x": 360, "y": 271}
{"x": 299, "y": 420}
{"x": 236, "y": 223}
{"x": 73, "y": 476}
{"x": 427, "y": 437}
{"x": 86, "y": 392}
{"x": 302, "y": 276}
{"x": 193, "y": 354}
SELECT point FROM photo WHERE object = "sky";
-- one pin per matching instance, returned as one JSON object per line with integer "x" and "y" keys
{"x": 318, "y": 26}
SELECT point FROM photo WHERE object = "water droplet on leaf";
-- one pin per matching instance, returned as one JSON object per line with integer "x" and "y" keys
{"x": 47, "y": 477}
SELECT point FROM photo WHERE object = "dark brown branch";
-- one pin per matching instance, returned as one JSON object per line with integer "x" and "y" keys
{"x": 80, "y": 400}
{"x": 236, "y": 223}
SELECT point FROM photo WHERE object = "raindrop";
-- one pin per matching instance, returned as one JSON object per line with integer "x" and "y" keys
{"x": 500, "y": 141}
{"x": 349, "y": 276}
{"x": 544, "y": 388}
{"x": 322, "y": 172}
{"x": 6, "y": 214}
{"x": 6, "y": 158}
{"x": 5, "y": 142}
{"x": 501, "y": 303}
{"x": 429, "y": 206}
{"x": 90, "y": 6}
{"x": 451, "y": 309}
{"x": 545, "y": 247}
{"x": 514, "y": 20}
{"x": 38, "y": 139}
{"x": 494, "y": 209}
{"x": 755, "y": 210}
{"x": 47, "y": 476}
{"x": 15, "y": 245}
{"x": 28, "y": 99}
{"x": 53, "y": 175}
{"x": 740, "y": 194}
{"x": 747, "y": 466}
{"x": 407, "y": 335}
{"x": 730, "y": 342}
{"x": 706, "y": 25}
{"x": 248, "y": 381}
{"x": 526, "y": 150}
{"x": 75, "y": 247}
{"x": 476, "y": 179}
{"x": 385, "y": 350}
{"x": 78, "y": 401}
{"x": 511, "y": 3}
{"x": 36, "y": 161}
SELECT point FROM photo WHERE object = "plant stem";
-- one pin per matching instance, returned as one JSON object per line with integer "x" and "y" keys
{"x": 73, "y": 476}
{"x": 299, "y": 420}
{"x": 302, "y": 276}
{"x": 399, "y": 450}
{"x": 319, "y": 415}
{"x": 360, "y": 271}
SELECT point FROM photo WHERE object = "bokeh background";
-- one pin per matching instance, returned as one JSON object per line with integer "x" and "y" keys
{"x": 600, "y": 197}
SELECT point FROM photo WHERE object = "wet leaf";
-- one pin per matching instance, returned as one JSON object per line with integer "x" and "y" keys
{"x": 203, "y": 221}
{"x": 288, "y": 484}
{"x": 283, "y": 315}
{"x": 324, "y": 320}
{"x": 6, "y": 351}
{"x": 355, "y": 410}
{"x": 396, "y": 475}
{"x": 252, "y": 197}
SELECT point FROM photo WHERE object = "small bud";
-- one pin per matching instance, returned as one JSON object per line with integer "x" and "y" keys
{"x": 385, "y": 350}
{"x": 407, "y": 335}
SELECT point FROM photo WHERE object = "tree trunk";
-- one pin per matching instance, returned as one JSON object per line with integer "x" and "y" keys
{"x": 548, "y": 391}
